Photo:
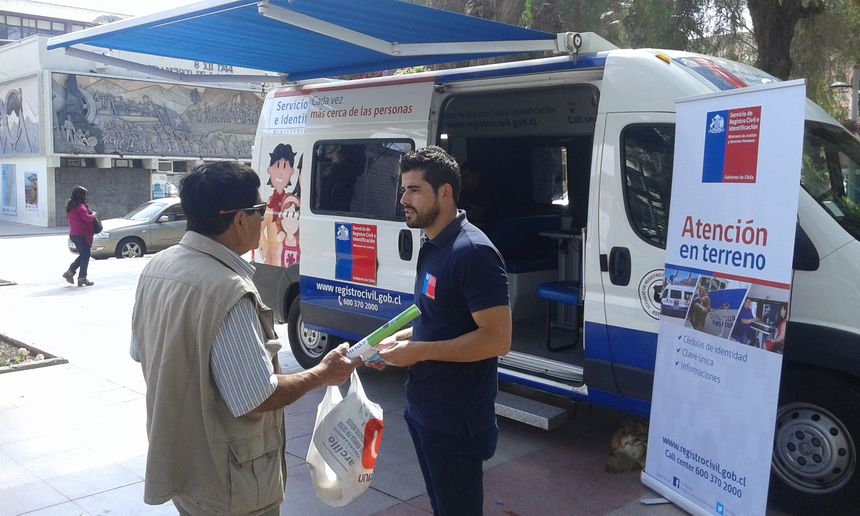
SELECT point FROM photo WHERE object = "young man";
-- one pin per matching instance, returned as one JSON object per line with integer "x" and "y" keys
{"x": 462, "y": 290}
{"x": 209, "y": 354}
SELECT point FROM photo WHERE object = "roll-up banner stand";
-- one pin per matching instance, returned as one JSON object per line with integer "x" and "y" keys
{"x": 730, "y": 243}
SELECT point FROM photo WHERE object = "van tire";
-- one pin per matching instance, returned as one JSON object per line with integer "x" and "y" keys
{"x": 814, "y": 465}
{"x": 309, "y": 346}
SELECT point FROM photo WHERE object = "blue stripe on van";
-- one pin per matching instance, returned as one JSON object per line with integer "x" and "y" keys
{"x": 553, "y": 65}
{"x": 630, "y": 405}
{"x": 353, "y": 298}
{"x": 633, "y": 348}
{"x": 618, "y": 345}
{"x": 596, "y": 345}
{"x": 606, "y": 399}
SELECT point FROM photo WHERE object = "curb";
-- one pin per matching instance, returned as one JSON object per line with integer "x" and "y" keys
{"x": 49, "y": 360}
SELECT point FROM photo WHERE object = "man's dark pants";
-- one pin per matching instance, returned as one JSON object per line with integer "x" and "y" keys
{"x": 452, "y": 466}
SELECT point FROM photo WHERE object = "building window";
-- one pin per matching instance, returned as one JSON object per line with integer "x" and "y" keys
{"x": 78, "y": 162}
{"x": 358, "y": 178}
{"x": 58, "y": 27}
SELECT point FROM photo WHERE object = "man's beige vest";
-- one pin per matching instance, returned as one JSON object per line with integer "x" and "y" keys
{"x": 197, "y": 449}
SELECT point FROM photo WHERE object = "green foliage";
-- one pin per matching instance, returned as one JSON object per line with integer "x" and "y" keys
{"x": 527, "y": 18}
{"x": 825, "y": 49}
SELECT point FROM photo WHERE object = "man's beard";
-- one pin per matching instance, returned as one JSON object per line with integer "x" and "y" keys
{"x": 423, "y": 220}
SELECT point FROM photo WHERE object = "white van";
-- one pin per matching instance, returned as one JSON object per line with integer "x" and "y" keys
{"x": 573, "y": 157}
{"x": 675, "y": 300}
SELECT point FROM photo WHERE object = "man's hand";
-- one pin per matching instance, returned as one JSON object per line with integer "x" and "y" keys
{"x": 379, "y": 364}
{"x": 335, "y": 368}
{"x": 402, "y": 353}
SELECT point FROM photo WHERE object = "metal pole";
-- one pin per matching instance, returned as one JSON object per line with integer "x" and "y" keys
{"x": 855, "y": 89}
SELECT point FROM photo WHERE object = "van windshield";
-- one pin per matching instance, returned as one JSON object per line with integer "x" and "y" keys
{"x": 831, "y": 172}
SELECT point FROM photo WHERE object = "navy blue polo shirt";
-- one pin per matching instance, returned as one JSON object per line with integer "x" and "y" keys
{"x": 459, "y": 272}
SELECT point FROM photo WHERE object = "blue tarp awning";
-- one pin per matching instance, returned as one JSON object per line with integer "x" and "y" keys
{"x": 312, "y": 38}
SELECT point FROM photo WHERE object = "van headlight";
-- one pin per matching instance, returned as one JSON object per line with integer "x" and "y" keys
{"x": 101, "y": 236}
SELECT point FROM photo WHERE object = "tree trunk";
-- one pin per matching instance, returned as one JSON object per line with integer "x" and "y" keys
{"x": 773, "y": 24}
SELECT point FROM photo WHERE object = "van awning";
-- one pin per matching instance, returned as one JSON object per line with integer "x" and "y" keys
{"x": 305, "y": 39}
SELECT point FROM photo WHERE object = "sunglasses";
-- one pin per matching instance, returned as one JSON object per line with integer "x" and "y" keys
{"x": 260, "y": 209}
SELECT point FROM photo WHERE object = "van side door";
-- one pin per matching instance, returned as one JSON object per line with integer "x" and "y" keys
{"x": 636, "y": 178}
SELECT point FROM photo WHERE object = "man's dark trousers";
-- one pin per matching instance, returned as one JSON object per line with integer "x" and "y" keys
{"x": 452, "y": 466}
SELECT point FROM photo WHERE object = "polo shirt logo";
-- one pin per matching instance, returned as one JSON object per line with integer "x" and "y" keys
{"x": 429, "y": 288}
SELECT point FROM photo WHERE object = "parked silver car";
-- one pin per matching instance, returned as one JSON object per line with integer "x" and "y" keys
{"x": 151, "y": 227}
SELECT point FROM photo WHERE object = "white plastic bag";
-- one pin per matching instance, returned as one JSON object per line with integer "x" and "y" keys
{"x": 345, "y": 443}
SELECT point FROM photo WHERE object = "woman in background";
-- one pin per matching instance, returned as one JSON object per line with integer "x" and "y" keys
{"x": 777, "y": 344}
{"x": 80, "y": 219}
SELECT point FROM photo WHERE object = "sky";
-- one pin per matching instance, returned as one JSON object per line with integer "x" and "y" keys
{"x": 132, "y": 7}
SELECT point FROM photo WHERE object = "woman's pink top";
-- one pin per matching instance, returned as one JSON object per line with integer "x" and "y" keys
{"x": 81, "y": 222}
{"x": 780, "y": 331}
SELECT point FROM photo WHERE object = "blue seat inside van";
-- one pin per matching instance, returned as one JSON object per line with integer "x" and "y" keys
{"x": 523, "y": 249}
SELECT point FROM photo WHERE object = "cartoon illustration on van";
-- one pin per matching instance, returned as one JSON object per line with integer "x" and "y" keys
{"x": 279, "y": 245}
{"x": 575, "y": 157}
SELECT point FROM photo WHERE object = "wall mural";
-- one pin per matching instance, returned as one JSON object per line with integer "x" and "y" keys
{"x": 96, "y": 115}
{"x": 19, "y": 117}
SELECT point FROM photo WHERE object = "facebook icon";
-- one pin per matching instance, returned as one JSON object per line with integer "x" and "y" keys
{"x": 676, "y": 482}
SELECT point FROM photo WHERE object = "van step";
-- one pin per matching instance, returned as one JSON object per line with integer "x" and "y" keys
{"x": 529, "y": 411}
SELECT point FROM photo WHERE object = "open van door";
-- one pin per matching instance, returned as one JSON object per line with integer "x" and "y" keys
{"x": 635, "y": 184}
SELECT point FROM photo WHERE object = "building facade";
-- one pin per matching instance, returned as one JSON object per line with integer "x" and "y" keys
{"x": 127, "y": 136}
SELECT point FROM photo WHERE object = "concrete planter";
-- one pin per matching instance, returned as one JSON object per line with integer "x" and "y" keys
{"x": 48, "y": 361}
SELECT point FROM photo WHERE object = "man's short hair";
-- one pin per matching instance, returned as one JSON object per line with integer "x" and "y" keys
{"x": 437, "y": 165}
{"x": 215, "y": 186}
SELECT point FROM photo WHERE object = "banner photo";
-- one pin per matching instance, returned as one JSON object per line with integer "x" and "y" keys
{"x": 725, "y": 303}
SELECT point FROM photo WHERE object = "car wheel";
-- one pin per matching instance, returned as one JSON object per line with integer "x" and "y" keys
{"x": 814, "y": 466}
{"x": 309, "y": 346}
{"x": 130, "y": 248}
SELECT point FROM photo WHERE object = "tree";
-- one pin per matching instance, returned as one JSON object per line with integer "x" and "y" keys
{"x": 815, "y": 39}
{"x": 825, "y": 49}
{"x": 774, "y": 24}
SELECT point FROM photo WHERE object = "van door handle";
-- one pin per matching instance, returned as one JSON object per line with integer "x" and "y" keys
{"x": 404, "y": 244}
{"x": 619, "y": 266}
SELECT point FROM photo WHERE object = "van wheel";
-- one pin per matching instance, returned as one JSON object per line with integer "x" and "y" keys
{"x": 814, "y": 465}
{"x": 309, "y": 346}
{"x": 130, "y": 248}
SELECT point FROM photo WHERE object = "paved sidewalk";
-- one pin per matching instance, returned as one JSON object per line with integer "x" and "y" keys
{"x": 72, "y": 437}
{"x": 8, "y": 228}
{"x": 72, "y": 443}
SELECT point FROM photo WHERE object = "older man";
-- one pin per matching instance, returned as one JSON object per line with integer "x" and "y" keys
{"x": 208, "y": 350}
